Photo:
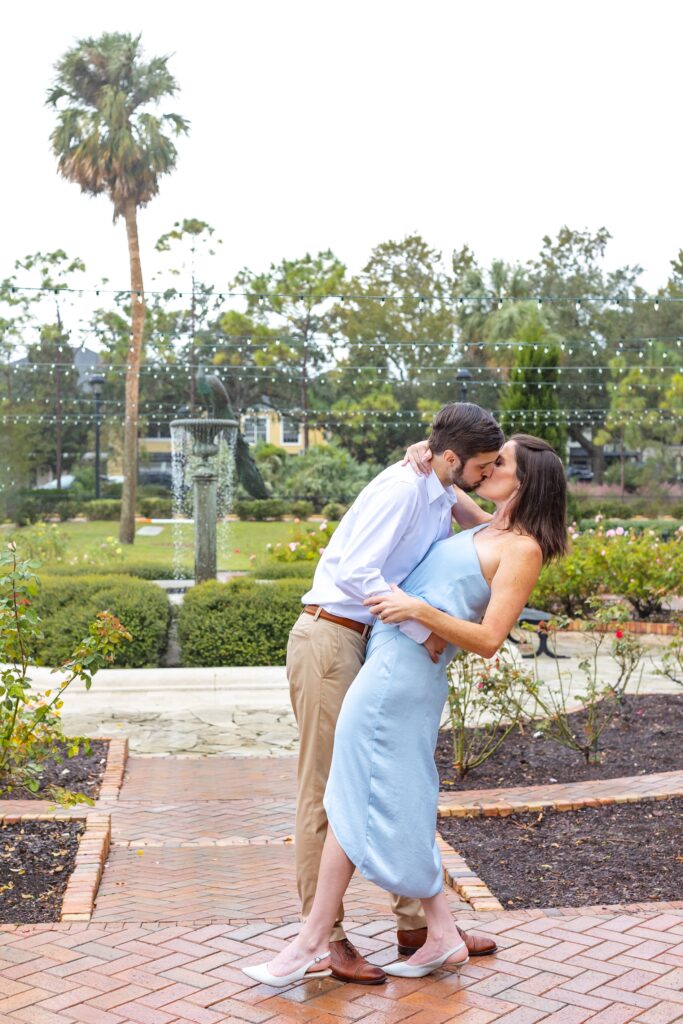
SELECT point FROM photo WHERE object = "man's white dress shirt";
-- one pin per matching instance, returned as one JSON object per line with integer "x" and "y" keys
{"x": 389, "y": 529}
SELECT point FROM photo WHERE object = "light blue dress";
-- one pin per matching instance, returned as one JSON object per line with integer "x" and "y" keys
{"x": 383, "y": 787}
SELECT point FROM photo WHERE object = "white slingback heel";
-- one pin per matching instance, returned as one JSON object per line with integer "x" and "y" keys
{"x": 401, "y": 969}
{"x": 260, "y": 972}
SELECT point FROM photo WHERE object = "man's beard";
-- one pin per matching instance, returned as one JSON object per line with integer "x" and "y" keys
{"x": 463, "y": 485}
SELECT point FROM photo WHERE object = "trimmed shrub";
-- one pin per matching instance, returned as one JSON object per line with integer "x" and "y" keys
{"x": 300, "y": 509}
{"x": 26, "y": 506}
{"x": 143, "y": 570}
{"x": 102, "y": 508}
{"x": 334, "y": 510}
{"x": 587, "y": 507}
{"x": 239, "y": 623}
{"x": 155, "y": 507}
{"x": 285, "y": 571}
{"x": 261, "y": 508}
{"x": 664, "y": 528}
{"x": 67, "y": 604}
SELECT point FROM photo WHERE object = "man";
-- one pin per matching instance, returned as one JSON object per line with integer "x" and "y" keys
{"x": 387, "y": 531}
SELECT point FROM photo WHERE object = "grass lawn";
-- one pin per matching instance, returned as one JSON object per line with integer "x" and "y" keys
{"x": 236, "y": 542}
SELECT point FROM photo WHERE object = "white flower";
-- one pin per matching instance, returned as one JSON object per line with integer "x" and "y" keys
{"x": 293, "y": 545}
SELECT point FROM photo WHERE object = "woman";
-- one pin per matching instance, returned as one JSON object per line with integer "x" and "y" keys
{"x": 381, "y": 797}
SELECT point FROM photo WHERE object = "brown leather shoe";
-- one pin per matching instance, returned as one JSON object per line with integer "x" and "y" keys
{"x": 477, "y": 945}
{"x": 348, "y": 965}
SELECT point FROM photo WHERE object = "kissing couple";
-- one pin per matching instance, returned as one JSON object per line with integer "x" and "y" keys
{"x": 368, "y": 719}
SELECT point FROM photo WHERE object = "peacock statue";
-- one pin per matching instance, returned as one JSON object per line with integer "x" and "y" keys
{"x": 214, "y": 397}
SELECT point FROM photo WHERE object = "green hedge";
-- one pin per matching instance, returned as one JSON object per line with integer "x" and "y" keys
{"x": 67, "y": 604}
{"x": 285, "y": 570}
{"x": 143, "y": 570}
{"x": 584, "y": 507}
{"x": 272, "y": 508}
{"x": 102, "y": 508}
{"x": 241, "y": 622}
{"x": 662, "y": 527}
{"x": 155, "y": 507}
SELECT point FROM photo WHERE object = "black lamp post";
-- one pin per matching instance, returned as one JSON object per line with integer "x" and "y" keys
{"x": 463, "y": 375}
{"x": 96, "y": 383}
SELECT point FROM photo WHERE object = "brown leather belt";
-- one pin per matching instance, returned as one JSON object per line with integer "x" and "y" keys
{"x": 320, "y": 613}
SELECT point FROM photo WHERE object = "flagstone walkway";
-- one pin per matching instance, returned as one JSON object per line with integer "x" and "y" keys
{"x": 200, "y": 880}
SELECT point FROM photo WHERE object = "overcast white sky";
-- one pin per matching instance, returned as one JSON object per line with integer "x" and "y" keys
{"x": 342, "y": 125}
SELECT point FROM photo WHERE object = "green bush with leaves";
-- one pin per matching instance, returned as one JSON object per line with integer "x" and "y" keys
{"x": 638, "y": 566}
{"x": 259, "y": 509}
{"x": 241, "y": 622}
{"x": 30, "y": 726}
{"x": 155, "y": 507}
{"x": 324, "y": 473}
{"x": 284, "y": 570}
{"x": 67, "y": 604}
{"x": 307, "y": 544}
{"x": 665, "y": 528}
{"x": 143, "y": 570}
{"x": 101, "y": 509}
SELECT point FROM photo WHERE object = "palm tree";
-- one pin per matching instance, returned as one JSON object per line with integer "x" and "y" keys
{"x": 107, "y": 142}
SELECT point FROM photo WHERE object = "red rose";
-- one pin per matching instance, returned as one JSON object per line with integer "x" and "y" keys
{"x": 619, "y": 633}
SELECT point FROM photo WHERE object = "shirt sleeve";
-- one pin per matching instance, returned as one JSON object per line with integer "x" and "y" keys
{"x": 382, "y": 522}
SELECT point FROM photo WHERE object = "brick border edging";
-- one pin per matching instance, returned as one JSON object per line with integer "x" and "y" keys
{"x": 556, "y": 796}
{"x": 79, "y": 897}
{"x": 458, "y": 874}
{"x": 114, "y": 769}
{"x": 78, "y": 901}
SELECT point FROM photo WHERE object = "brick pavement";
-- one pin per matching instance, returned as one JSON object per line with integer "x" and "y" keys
{"x": 200, "y": 880}
{"x": 606, "y": 970}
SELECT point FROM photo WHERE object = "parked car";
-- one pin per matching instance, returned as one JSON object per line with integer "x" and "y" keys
{"x": 579, "y": 473}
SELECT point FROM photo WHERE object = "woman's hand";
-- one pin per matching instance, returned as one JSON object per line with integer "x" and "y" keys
{"x": 419, "y": 456}
{"x": 394, "y": 607}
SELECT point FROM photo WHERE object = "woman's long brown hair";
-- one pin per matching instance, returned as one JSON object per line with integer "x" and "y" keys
{"x": 540, "y": 506}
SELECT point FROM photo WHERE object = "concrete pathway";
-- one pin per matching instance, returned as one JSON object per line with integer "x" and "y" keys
{"x": 247, "y": 711}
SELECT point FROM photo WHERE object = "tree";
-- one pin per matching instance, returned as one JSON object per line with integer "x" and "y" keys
{"x": 294, "y": 296}
{"x": 530, "y": 403}
{"x": 397, "y": 327}
{"x": 591, "y": 310}
{"x": 107, "y": 141}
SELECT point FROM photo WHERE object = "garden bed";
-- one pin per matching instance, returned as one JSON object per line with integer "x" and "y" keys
{"x": 36, "y": 862}
{"x": 647, "y": 740}
{"x": 82, "y": 773}
{"x": 623, "y": 853}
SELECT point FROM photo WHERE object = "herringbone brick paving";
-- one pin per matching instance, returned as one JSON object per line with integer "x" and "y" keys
{"x": 606, "y": 970}
{"x": 179, "y": 853}
{"x": 199, "y": 838}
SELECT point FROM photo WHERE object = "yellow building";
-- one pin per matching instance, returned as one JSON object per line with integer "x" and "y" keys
{"x": 264, "y": 424}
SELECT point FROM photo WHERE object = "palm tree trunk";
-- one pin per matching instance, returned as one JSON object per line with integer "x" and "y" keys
{"x": 130, "y": 430}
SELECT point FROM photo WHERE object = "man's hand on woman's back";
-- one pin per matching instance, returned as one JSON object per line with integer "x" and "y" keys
{"x": 419, "y": 456}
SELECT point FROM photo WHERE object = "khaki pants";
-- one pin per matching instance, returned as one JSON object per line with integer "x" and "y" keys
{"x": 322, "y": 661}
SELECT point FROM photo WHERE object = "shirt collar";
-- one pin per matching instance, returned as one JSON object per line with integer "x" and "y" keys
{"x": 436, "y": 490}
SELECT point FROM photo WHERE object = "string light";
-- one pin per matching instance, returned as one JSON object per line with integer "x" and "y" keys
{"x": 313, "y": 296}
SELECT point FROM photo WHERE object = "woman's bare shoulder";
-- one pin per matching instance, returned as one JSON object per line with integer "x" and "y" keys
{"x": 521, "y": 545}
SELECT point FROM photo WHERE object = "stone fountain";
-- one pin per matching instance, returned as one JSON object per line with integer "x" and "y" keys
{"x": 205, "y": 437}
{"x": 208, "y": 451}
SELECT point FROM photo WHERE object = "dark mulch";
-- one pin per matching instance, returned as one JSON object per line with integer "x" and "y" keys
{"x": 36, "y": 860}
{"x": 625, "y": 853}
{"x": 80, "y": 774}
{"x": 647, "y": 740}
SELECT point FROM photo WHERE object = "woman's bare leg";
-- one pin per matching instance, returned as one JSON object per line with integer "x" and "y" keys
{"x": 314, "y": 938}
{"x": 442, "y": 933}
